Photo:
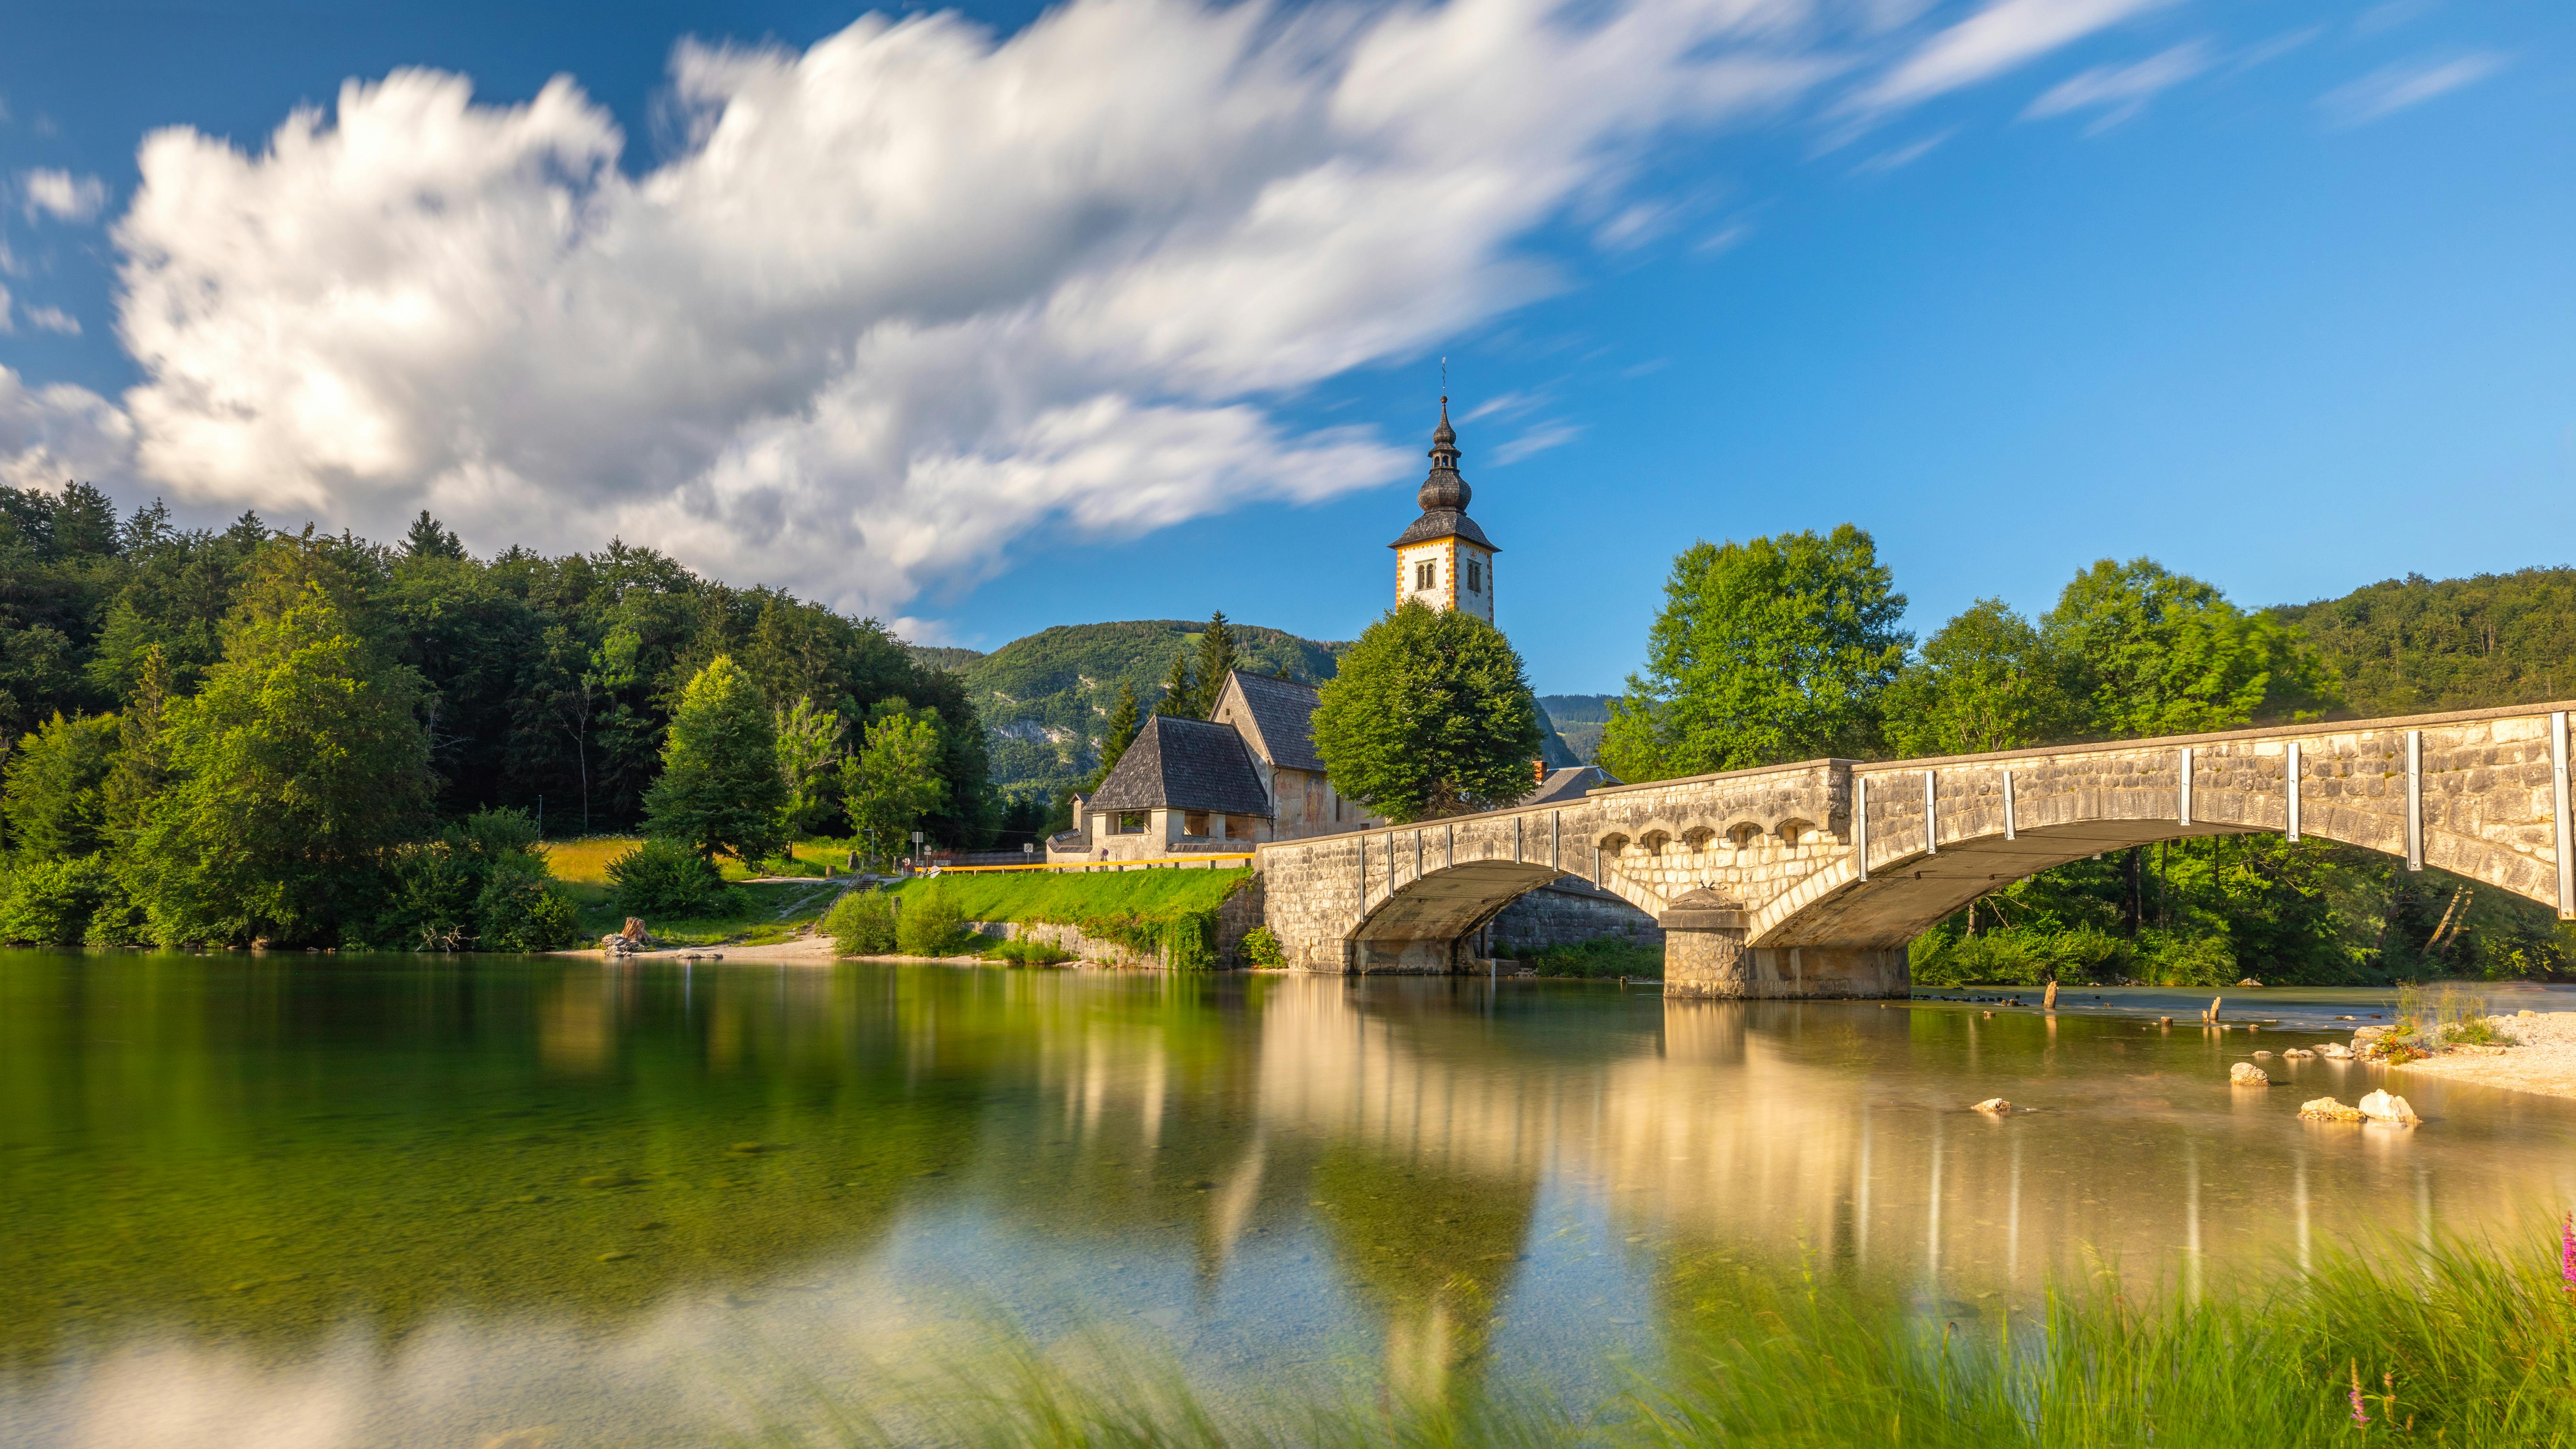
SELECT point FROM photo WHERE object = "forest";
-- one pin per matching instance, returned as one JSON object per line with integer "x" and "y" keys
{"x": 383, "y": 705}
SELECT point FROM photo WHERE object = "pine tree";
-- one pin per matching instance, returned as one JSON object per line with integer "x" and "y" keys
{"x": 142, "y": 767}
{"x": 1121, "y": 733}
{"x": 1216, "y": 661}
{"x": 427, "y": 539}
{"x": 1180, "y": 692}
{"x": 720, "y": 792}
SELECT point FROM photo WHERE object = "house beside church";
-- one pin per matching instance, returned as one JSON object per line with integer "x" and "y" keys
{"x": 1249, "y": 772}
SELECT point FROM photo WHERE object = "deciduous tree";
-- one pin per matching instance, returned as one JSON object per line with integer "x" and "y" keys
{"x": 1986, "y": 681}
{"x": 1430, "y": 715}
{"x": 894, "y": 781}
{"x": 720, "y": 791}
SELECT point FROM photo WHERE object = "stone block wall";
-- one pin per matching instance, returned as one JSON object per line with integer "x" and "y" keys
{"x": 1568, "y": 913}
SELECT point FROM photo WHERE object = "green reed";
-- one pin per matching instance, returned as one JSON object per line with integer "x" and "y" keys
{"x": 2451, "y": 1345}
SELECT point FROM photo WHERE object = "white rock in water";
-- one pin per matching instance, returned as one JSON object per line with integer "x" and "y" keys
{"x": 1994, "y": 1106}
{"x": 2246, "y": 1074}
{"x": 2298, "y": 1052}
{"x": 2367, "y": 1033}
{"x": 2262, "y": 1056}
{"x": 2381, "y": 1107}
{"x": 2335, "y": 1051}
{"x": 2330, "y": 1109}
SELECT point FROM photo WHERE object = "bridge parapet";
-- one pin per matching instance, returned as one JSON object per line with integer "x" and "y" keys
{"x": 1837, "y": 864}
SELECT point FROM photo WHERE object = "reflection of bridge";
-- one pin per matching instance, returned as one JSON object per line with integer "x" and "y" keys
{"x": 1809, "y": 879}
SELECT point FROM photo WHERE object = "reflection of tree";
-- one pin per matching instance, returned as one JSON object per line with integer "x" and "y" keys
{"x": 1433, "y": 1250}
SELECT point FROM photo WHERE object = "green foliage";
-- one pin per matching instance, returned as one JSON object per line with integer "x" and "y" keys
{"x": 1021, "y": 951}
{"x": 1189, "y": 942}
{"x": 58, "y": 900}
{"x": 140, "y": 770}
{"x": 2026, "y": 957}
{"x": 665, "y": 878}
{"x": 1166, "y": 913}
{"x": 893, "y": 781}
{"x": 1180, "y": 692}
{"x": 1216, "y": 660}
{"x": 1987, "y": 680}
{"x": 2153, "y": 652}
{"x": 1599, "y": 959}
{"x": 2415, "y": 645}
{"x": 1431, "y": 715}
{"x": 930, "y": 924}
{"x": 55, "y": 802}
{"x": 1114, "y": 740}
{"x": 861, "y": 923}
{"x": 1767, "y": 651}
{"x": 295, "y": 769}
{"x": 481, "y": 884}
{"x": 720, "y": 792}
{"x": 1261, "y": 948}
{"x": 809, "y": 748}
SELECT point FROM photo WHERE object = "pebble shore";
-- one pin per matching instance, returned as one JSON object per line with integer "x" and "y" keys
{"x": 2544, "y": 1063}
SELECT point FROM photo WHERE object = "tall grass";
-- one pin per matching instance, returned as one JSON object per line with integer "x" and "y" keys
{"x": 2447, "y": 1345}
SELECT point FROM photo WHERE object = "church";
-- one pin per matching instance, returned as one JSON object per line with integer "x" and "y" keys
{"x": 1249, "y": 772}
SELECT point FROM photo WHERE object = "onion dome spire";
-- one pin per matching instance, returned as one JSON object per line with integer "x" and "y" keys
{"x": 1444, "y": 489}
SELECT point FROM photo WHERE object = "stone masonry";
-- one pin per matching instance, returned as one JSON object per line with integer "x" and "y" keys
{"x": 1809, "y": 879}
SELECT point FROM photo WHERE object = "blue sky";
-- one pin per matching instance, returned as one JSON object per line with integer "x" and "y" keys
{"x": 1140, "y": 313}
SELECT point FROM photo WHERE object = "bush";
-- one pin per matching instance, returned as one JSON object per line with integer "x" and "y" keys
{"x": 1601, "y": 959}
{"x": 1260, "y": 948}
{"x": 931, "y": 925}
{"x": 1189, "y": 941}
{"x": 52, "y": 902}
{"x": 518, "y": 912}
{"x": 1021, "y": 951}
{"x": 662, "y": 878}
{"x": 862, "y": 924}
{"x": 2172, "y": 960}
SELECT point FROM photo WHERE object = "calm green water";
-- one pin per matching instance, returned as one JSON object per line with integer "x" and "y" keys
{"x": 304, "y": 1202}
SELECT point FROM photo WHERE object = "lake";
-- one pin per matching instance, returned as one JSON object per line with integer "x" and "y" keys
{"x": 490, "y": 1201}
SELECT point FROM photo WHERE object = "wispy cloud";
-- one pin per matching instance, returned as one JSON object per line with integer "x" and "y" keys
{"x": 2121, "y": 91}
{"x": 62, "y": 195}
{"x": 2003, "y": 35}
{"x": 1536, "y": 440}
{"x": 2393, "y": 88}
{"x": 53, "y": 319}
{"x": 1903, "y": 156}
{"x": 1725, "y": 239}
{"x": 1508, "y": 404}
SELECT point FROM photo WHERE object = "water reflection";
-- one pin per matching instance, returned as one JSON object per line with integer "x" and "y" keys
{"x": 386, "y": 1202}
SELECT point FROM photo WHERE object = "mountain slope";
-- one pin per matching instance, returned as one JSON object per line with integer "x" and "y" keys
{"x": 2416, "y": 644}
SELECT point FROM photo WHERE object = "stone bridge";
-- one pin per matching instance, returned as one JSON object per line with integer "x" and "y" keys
{"x": 1810, "y": 879}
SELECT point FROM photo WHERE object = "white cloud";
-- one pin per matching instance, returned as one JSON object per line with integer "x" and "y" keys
{"x": 2121, "y": 91}
{"x": 2003, "y": 35}
{"x": 62, "y": 195}
{"x": 52, "y": 433}
{"x": 1536, "y": 440}
{"x": 905, "y": 297}
{"x": 1903, "y": 156}
{"x": 2393, "y": 88}
{"x": 53, "y": 319}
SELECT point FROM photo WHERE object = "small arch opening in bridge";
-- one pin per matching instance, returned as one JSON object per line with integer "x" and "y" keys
{"x": 1793, "y": 830}
{"x": 1697, "y": 838}
{"x": 1744, "y": 835}
{"x": 1654, "y": 841}
{"x": 1614, "y": 844}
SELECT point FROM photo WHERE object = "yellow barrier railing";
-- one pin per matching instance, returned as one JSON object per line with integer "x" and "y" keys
{"x": 1168, "y": 862}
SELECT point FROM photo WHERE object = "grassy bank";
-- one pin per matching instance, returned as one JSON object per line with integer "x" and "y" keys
{"x": 1599, "y": 960}
{"x": 1171, "y": 912}
{"x": 2403, "y": 1345}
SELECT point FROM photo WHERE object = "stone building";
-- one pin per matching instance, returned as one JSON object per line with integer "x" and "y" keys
{"x": 1246, "y": 775}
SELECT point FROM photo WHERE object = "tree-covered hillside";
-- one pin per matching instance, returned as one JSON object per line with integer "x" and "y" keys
{"x": 2414, "y": 645}
{"x": 1578, "y": 719}
{"x": 1045, "y": 698}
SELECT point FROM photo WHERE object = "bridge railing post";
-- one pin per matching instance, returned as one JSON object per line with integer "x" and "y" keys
{"x": 2290, "y": 775}
{"x": 2558, "y": 793}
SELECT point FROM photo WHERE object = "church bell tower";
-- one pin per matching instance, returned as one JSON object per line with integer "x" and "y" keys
{"x": 1444, "y": 559}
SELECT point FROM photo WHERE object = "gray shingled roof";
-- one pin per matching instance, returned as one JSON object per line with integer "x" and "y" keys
{"x": 1184, "y": 764}
{"x": 1441, "y": 523}
{"x": 1283, "y": 721}
{"x": 1568, "y": 784}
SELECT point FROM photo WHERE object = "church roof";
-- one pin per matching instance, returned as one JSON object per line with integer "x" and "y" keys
{"x": 1184, "y": 764}
{"x": 1567, "y": 784}
{"x": 1281, "y": 722}
{"x": 1444, "y": 495}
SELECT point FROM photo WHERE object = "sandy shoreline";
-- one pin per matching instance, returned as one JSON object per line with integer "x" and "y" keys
{"x": 2545, "y": 1063}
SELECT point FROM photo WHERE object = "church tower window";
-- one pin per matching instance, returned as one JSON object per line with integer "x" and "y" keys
{"x": 1426, "y": 574}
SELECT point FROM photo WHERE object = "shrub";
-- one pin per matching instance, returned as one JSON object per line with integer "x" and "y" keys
{"x": 2019, "y": 957}
{"x": 660, "y": 878}
{"x": 2173, "y": 960}
{"x": 52, "y": 902}
{"x": 1189, "y": 941}
{"x": 518, "y": 912}
{"x": 1260, "y": 948}
{"x": 1606, "y": 957}
{"x": 1022, "y": 951}
{"x": 931, "y": 925}
{"x": 862, "y": 924}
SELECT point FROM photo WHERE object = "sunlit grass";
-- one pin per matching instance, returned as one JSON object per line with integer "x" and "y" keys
{"x": 2394, "y": 1344}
